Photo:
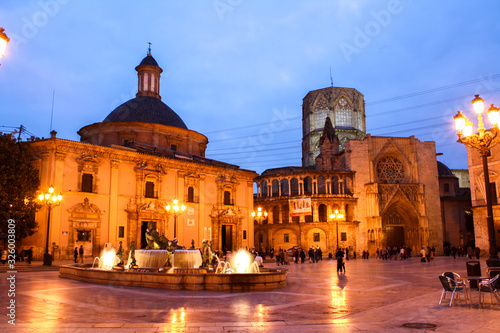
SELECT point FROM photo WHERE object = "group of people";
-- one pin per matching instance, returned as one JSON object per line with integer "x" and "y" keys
{"x": 394, "y": 253}
{"x": 78, "y": 253}
{"x": 28, "y": 254}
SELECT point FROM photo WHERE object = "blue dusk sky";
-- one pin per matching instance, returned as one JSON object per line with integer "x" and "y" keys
{"x": 237, "y": 70}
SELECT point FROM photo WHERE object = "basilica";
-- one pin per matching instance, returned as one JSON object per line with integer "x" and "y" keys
{"x": 125, "y": 174}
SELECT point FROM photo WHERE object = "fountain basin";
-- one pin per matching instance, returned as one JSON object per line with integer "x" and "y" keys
{"x": 267, "y": 279}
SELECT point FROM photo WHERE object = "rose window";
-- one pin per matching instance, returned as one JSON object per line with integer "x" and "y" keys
{"x": 390, "y": 170}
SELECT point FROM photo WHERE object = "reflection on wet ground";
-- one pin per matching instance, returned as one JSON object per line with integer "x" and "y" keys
{"x": 374, "y": 296}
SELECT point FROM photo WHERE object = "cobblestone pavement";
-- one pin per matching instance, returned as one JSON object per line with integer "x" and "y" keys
{"x": 373, "y": 296}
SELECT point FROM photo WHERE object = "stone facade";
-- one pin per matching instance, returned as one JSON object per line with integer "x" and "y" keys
{"x": 346, "y": 109}
{"x": 385, "y": 189}
{"x": 125, "y": 171}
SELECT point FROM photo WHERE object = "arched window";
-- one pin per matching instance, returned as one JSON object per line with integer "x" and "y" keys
{"x": 263, "y": 188}
{"x": 294, "y": 184}
{"x": 335, "y": 185}
{"x": 275, "y": 188}
{"x": 308, "y": 186}
{"x": 322, "y": 213}
{"x": 284, "y": 187}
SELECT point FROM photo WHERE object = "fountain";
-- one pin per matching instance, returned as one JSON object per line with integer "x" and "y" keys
{"x": 176, "y": 268}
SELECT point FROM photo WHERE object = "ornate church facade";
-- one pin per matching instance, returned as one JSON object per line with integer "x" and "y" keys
{"x": 126, "y": 170}
{"x": 362, "y": 192}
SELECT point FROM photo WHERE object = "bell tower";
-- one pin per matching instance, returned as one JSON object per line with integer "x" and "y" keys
{"x": 148, "y": 73}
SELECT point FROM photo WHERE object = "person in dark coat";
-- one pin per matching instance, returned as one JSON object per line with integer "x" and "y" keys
{"x": 75, "y": 254}
{"x": 80, "y": 252}
{"x": 339, "y": 256}
{"x": 29, "y": 254}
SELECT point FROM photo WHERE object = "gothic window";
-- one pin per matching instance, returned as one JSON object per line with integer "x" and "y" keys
{"x": 275, "y": 188}
{"x": 87, "y": 182}
{"x": 308, "y": 186}
{"x": 343, "y": 113}
{"x": 190, "y": 194}
{"x": 342, "y": 142}
{"x": 227, "y": 198}
{"x": 320, "y": 113}
{"x": 390, "y": 170}
{"x": 150, "y": 190}
{"x": 359, "y": 124}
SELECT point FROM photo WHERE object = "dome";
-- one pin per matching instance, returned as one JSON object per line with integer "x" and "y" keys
{"x": 149, "y": 60}
{"x": 444, "y": 171}
{"x": 146, "y": 109}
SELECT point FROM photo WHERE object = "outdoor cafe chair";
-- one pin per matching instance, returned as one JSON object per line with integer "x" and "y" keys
{"x": 450, "y": 285}
{"x": 491, "y": 286}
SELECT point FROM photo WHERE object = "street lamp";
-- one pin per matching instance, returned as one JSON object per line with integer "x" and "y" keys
{"x": 336, "y": 216}
{"x": 49, "y": 199}
{"x": 175, "y": 209}
{"x": 4, "y": 40}
{"x": 259, "y": 215}
{"x": 482, "y": 141}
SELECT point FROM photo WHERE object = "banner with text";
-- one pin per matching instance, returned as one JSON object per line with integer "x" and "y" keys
{"x": 300, "y": 207}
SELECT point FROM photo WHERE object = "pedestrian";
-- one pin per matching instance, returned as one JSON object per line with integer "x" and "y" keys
{"x": 477, "y": 252}
{"x": 339, "y": 256}
{"x": 29, "y": 254}
{"x": 470, "y": 252}
{"x": 75, "y": 254}
{"x": 302, "y": 256}
{"x": 422, "y": 252}
{"x": 80, "y": 251}
{"x": 311, "y": 255}
{"x": 3, "y": 256}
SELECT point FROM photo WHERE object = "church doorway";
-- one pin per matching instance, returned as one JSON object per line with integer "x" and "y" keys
{"x": 227, "y": 237}
{"x": 395, "y": 236}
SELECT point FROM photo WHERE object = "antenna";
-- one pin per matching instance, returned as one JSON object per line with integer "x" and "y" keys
{"x": 149, "y": 48}
{"x": 331, "y": 79}
{"x": 52, "y": 112}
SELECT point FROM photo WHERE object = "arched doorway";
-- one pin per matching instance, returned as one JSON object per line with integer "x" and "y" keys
{"x": 400, "y": 226}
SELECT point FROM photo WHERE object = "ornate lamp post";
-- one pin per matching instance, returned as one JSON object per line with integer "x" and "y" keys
{"x": 175, "y": 209}
{"x": 4, "y": 40}
{"x": 259, "y": 215}
{"x": 336, "y": 216}
{"x": 483, "y": 141}
{"x": 49, "y": 200}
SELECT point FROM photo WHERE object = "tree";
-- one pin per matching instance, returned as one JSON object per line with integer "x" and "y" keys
{"x": 19, "y": 183}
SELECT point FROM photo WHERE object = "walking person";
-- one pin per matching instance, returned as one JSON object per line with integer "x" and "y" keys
{"x": 75, "y": 254}
{"x": 80, "y": 252}
{"x": 29, "y": 254}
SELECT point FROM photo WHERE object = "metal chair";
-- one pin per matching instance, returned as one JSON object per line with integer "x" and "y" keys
{"x": 491, "y": 286}
{"x": 452, "y": 286}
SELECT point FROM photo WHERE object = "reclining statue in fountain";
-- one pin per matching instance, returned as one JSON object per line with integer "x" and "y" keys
{"x": 207, "y": 253}
{"x": 157, "y": 242}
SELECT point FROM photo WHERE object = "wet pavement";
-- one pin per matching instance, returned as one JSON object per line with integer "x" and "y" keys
{"x": 373, "y": 296}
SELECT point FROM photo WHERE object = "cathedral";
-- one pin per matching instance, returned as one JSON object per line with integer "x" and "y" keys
{"x": 353, "y": 190}
{"x": 125, "y": 173}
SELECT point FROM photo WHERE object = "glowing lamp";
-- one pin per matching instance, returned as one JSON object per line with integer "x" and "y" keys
{"x": 478, "y": 104}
